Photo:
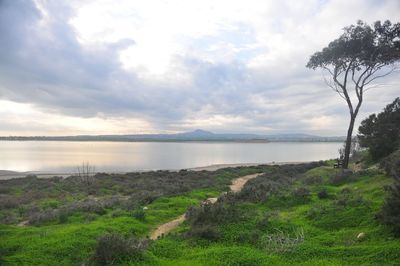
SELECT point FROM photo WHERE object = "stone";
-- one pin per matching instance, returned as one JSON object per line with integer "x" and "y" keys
{"x": 361, "y": 236}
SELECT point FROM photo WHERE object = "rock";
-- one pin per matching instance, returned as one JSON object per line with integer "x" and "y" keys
{"x": 361, "y": 236}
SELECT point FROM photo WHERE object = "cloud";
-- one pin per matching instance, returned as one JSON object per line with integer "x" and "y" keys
{"x": 235, "y": 66}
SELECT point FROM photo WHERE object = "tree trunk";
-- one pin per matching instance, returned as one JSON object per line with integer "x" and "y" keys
{"x": 348, "y": 142}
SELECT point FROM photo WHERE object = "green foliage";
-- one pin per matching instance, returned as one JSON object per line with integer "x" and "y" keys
{"x": 390, "y": 213}
{"x": 302, "y": 194}
{"x": 250, "y": 237}
{"x": 139, "y": 214}
{"x": 381, "y": 133}
{"x": 361, "y": 46}
{"x": 44, "y": 201}
{"x": 112, "y": 249}
{"x": 323, "y": 194}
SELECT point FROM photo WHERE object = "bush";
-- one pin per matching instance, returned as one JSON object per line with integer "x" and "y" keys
{"x": 216, "y": 213}
{"x": 139, "y": 214}
{"x": 207, "y": 232}
{"x": 38, "y": 218}
{"x": 316, "y": 211}
{"x": 381, "y": 133}
{"x": 390, "y": 212}
{"x": 323, "y": 194}
{"x": 265, "y": 221}
{"x": 347, "y": 198}
{"x": 63, "y": 217}
{"x": 113, "y": 248}
{"x": 90, "y": 217}
{"x": 341, "y": 177}
{"x": 313, "y": 180}
{"x": 302, "y": 194}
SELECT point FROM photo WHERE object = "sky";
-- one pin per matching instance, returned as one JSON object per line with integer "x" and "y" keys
{"x": 133, "y": 67}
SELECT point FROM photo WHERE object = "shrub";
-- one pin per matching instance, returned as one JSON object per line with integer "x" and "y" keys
{"x": 265, "y": 221}
{"x": 316, "y": 211}
{"x": 63, "y": 217}
{"x": 301, "y": 193}
{"x": 252, "y": 237}
{"x": 341, "y": 177}
{"x": 347, "y": 198}
{"x": 9, "y": 202}
{"x": 90, "y": 217}
{"x": 213, "y": 214}
{"x": 113, "y": 248}
{"x": 117, "y": 213}
{"x": 8, "y": 217}
{"x": 323, "y": 194}
{"x": 38, "y": 218}
{"x": 139, "y": 214}
{"x": 207, "y": 231}
{"x": 390, "y": 212}
{"x": 313, "y": 180}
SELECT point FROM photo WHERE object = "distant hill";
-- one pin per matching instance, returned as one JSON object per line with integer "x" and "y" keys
{"x": 196, "y": 135}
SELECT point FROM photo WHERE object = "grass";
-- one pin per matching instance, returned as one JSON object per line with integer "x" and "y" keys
{"x": 73, "y": 242}
{"x": 330, "y": 239}
{"x": 330, "y": 226}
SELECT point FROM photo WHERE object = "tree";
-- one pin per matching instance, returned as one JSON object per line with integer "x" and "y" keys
{"x": 381, "y": 133}
{"x": 355, "y": 60}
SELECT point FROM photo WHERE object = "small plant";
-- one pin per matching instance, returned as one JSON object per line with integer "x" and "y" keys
{"x": 86, "y": 174}
{"x": 282, "y": 241}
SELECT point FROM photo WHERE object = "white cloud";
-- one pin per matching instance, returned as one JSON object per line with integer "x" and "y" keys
{"x": 172, "y": 65}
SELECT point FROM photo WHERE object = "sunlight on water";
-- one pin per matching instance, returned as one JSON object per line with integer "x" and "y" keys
{"x": 129, "y": 156}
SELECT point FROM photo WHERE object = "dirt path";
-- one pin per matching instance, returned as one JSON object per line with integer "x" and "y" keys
{"x": 167, "y": 227}
{"x": 238, "y": 183}
{"x": 236, "y": 186}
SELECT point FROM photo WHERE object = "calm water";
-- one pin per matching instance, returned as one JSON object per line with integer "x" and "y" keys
{"x": 129, "y": 156}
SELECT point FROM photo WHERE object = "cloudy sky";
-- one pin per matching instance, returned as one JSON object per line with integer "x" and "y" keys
{"x": 118, "y": 67}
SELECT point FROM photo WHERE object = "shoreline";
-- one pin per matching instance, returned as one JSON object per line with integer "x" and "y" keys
{"x": 9, "y": 174}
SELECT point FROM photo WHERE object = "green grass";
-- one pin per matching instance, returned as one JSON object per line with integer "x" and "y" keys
{"x": 73, "y": 242}
{"x": 330, "y": 239}
{"x": 330, "y": 234}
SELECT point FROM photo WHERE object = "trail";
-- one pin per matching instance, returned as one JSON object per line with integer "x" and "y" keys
{"x": 236, "y": 186}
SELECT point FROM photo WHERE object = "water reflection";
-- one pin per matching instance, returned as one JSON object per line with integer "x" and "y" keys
{"x": 121, "y": 156}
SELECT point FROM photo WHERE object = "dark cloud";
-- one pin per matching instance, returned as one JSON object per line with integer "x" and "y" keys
{"x": 43, "y": 63}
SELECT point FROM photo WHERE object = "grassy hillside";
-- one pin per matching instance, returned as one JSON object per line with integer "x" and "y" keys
{"x": 294, "y": 228}
{"x": 291, "y": 215}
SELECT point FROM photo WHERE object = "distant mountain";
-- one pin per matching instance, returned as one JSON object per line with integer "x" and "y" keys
{"x": 196, "y": 135}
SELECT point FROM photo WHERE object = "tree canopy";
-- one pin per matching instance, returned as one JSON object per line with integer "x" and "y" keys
{"x": 381, "y": 133}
